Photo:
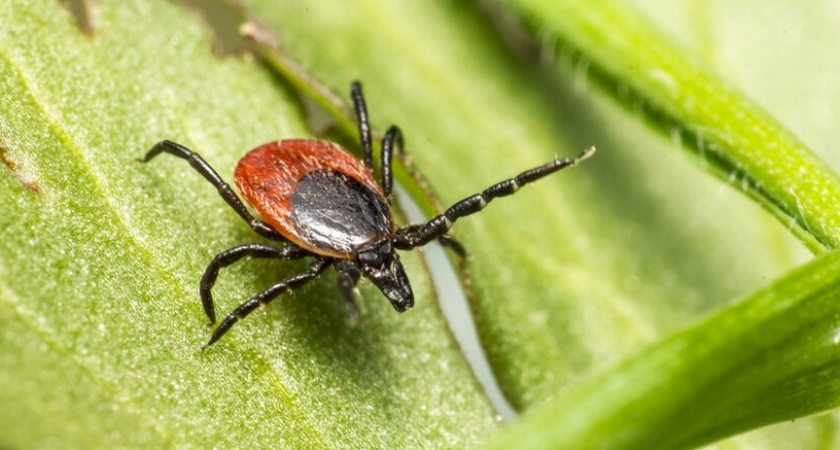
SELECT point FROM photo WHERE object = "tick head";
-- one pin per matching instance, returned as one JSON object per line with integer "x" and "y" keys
{"x": 382, "y": 266}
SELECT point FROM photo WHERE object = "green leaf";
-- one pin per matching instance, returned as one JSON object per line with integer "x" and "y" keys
{"x": 100, "y": 256}
{"x": 100, "y": 259}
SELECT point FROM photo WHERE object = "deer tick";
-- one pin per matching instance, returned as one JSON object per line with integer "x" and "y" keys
{"x": 323, "y": 203}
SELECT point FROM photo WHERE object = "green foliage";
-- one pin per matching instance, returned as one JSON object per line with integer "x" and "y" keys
{"x": 604, "y": 295}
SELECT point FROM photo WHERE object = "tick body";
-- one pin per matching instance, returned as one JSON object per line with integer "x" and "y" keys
{"x": 316, "y": 195}
{"x": 323, "y": 203}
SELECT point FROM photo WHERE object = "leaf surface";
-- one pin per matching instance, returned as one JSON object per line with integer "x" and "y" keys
{"x": 101, "y": 256}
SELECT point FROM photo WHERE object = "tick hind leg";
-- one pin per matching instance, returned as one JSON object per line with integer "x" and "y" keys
{"x": 225, "y": 191}
{"x": 417, "y": 235}
{"x": 266, "y": 296}
{"x": 233, "y": 255}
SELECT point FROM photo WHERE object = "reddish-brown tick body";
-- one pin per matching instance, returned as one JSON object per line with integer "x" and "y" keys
{"x": 316, "y": 195}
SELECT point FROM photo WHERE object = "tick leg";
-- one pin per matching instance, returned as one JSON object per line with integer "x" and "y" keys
{"x": 364, "y": 124}
{"x": 417, "y": 235}
{"x": 453, "y": 244}
{"x": 266, "y": 296}
{"x": 225, "y": 191}
{"x": 233, "y": 255}
{"x": 347, "y": 278}
{"x": 392, "y": 137}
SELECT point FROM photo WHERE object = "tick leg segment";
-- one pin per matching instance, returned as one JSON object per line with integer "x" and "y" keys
{"x": 348, "y": 276}
{"x": 418, "y": 235}
{"x": 364, "y": 123}
{"x": 392, "y": 137}
{"x": 453, "y": 244}
{"x": 266, "y": 296}
{"x": 225, "y": 191}
{"x": 233, "y": 255}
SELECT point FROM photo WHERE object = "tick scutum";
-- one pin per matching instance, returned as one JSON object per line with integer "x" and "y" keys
{"x": 337, "y": 214}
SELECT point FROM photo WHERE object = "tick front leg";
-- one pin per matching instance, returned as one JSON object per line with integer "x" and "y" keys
{"x": 364, "y": 123}
{"x": 417, "y": 235}
{"x": 225, "y": 191}
{"x": 393, "y": 138}
{"x": 233, "y": 255}
{"x": 265, "y": 297}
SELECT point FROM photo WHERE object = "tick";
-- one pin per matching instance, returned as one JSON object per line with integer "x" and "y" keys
{"x": 325, "y": 204}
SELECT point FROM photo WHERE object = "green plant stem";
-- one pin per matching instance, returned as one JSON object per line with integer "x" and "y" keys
{"x": 684, "y": 100}
{"x": 770, "y": 358}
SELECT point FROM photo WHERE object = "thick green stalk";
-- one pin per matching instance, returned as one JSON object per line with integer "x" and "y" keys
{"x": 735, "y": 139}
{"x": 770, "y": 358}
